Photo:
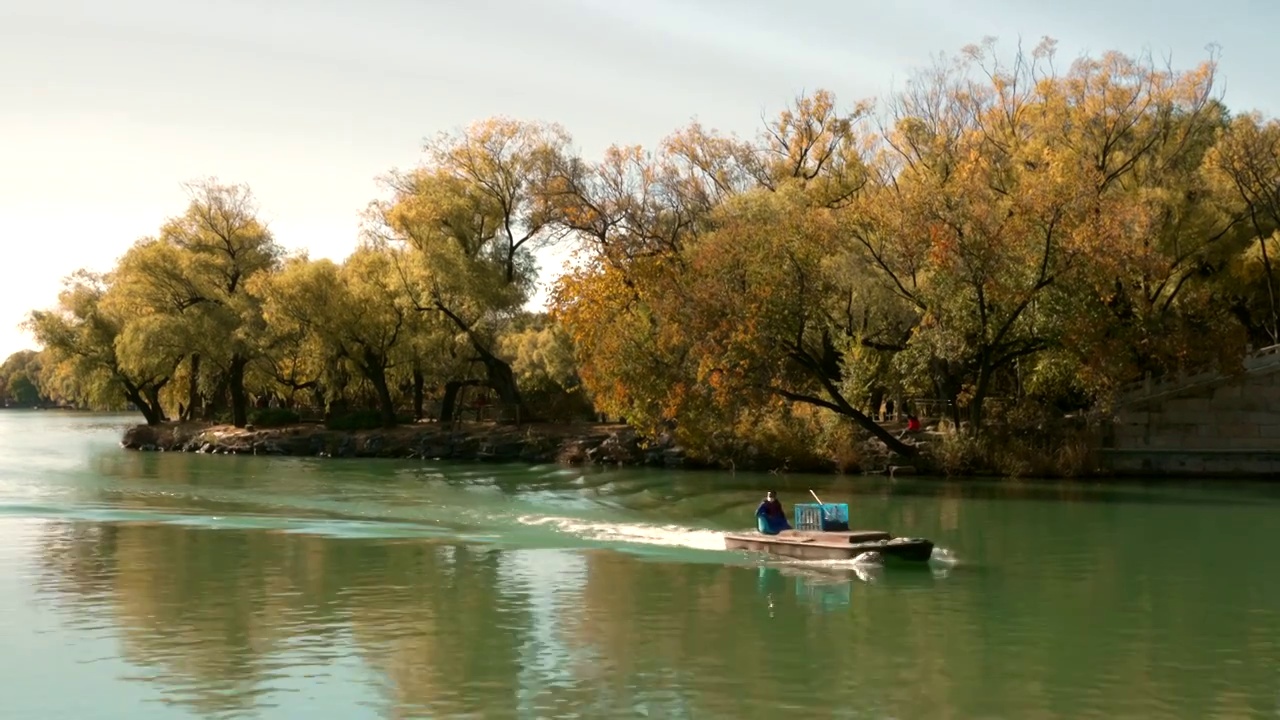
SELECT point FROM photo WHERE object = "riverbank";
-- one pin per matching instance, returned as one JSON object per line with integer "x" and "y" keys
{"x": 573, "y": 444}
{"x": 604, "y": 444}
{"x": 570, "y": 444}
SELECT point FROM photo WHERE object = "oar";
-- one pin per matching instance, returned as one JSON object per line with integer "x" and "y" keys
{"x": 822, "y": 507}
{"x": 815, "y": 496}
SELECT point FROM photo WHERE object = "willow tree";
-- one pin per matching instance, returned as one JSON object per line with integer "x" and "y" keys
{"x": 1244, "y": 165}
{"x": 716, "y": 280}
{"x": 779, "y": 306}
{"x": 20, "y": 379}
{"x": 1138, "y": 134}
{"x": 189, "y": 286}
{"x": 82, "y": 337}
{"x": 355, "y": 313}
{"x": 1014, "y": 208}
{"x": 470, "y": 219}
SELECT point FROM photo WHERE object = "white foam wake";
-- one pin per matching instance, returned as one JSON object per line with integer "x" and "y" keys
{"x": 664, "y": 535}
{"x": 944, "y": 557}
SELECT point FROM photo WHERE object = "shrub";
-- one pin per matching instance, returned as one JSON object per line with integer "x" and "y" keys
{"x": 361, "y": 420}
{"x": 274, "y": 417}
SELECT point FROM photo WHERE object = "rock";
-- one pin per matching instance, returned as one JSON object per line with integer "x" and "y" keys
{"x": 572, "y": 453}
{"x": 673, "y": 457}
{"x": 429, "y": 447}
{"x": 139, "y": 435}
{"x": 499, "y": 443}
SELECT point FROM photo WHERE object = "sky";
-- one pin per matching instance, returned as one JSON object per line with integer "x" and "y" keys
{"x": 107, "y": 108}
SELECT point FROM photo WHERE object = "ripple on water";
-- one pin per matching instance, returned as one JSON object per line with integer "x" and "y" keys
{"x": 243, "y": 587}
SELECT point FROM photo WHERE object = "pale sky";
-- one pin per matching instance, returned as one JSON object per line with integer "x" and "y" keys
{"x": 108, "y": 106}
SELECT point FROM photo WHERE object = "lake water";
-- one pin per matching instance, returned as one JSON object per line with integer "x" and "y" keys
{"x": 148, "y": 586}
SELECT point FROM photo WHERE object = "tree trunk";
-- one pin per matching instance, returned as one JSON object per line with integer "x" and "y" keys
{"x": 501, "y": 377}
{"x": 374, "y": 367}
{"x": 449, "y": 404}
{"x": 214, "y": 404}
{"x": 889, "y": 439}
{"x": 947, "y": 384}
{"x": 877, "y": 397}
{"x": 149, "y": 412}
{"x": 825, "y": 368}
{"x": 1274, "y": 330}
{"x": 193, "y": 388}
{"x": 147, "y": 400}
{"x": 980, "y": 390}
{"x": 503, "y": 381}
{"x": 418, "y": 382}
{"x": 839, "y": 404}
{"x": 317, "y": 399}
{"x": 386, "y": 406}
{"x": 235, "y": 384}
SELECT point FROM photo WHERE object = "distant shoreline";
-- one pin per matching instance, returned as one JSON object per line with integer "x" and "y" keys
{"x": 569, "y": 444}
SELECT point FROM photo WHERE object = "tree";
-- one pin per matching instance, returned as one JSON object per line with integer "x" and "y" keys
{"x": 698, "y": 311}
{"x": 356, "y": 313}
{"x": 470, "y": 218}
{"x": 81, "y": 340}
{"x": 190, "y": 286}
{"x": 1245, "y": 164}
{"x": 1005, "y": 200}
{"x": 20, "y": 379}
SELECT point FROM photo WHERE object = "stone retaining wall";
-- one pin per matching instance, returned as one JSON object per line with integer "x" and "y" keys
{"x": 1217, "y": 426}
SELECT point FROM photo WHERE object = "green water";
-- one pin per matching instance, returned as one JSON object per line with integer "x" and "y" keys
{"x": 184, "y": 586}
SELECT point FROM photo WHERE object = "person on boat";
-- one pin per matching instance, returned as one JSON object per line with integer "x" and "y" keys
{"x": 771, "y": 518}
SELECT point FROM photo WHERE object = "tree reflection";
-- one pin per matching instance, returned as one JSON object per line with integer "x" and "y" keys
{"x": 1073, "y": 609}
{"x": 216, "y": 611}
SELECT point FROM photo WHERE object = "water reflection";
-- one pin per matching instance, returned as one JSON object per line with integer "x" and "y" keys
{"x": 226, "y": 620}
{"x": 233, "y": 622}
{"x": 1075, "y": 601}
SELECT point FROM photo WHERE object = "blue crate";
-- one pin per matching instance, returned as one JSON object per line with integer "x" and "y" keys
{"x": 828, "y": 517}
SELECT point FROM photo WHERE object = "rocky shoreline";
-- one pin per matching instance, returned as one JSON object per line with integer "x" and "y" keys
{"x": 586, "y": 444}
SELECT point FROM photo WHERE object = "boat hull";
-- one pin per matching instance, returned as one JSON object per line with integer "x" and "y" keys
{"x": 832, "y": 545}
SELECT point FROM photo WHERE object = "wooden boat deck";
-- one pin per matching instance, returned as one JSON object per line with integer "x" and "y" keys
{"x": 812, "y": 545}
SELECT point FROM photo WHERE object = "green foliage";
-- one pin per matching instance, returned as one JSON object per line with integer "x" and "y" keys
{"x": 542, "y": 357}
{"x": 20, "y": 376}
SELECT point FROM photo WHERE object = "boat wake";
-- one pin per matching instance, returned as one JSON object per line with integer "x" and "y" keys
{"x": 674, "y": 536}
{"x": 940, "y": 562}
{"x": 944, "y": 557}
